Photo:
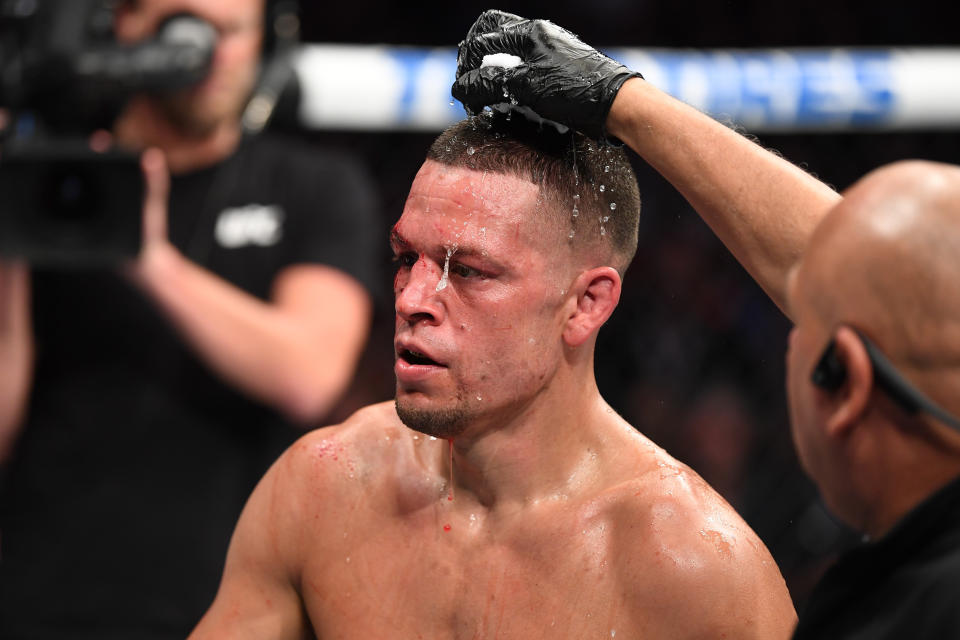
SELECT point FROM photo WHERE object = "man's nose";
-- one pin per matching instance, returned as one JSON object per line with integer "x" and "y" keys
{"x": 416, "y": 295}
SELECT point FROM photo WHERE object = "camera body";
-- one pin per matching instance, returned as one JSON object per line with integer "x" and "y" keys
{"x": 65, "y": 205}
{"x": 63, "y": 75}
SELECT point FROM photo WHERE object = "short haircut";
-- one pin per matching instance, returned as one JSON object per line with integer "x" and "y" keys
{"x": 591, "y": 185}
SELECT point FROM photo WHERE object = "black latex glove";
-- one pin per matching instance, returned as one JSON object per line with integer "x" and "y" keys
{"x": 560, "y": 78}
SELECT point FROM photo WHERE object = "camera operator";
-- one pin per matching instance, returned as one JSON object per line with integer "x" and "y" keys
{"x": 138, "y": 407}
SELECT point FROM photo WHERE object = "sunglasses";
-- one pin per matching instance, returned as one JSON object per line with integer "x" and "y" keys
{"x": 830, "y": 374}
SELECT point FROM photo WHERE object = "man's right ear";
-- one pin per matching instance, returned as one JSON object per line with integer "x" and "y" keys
{"x": 845, "y": 374}
{"x": 598, "y": 292}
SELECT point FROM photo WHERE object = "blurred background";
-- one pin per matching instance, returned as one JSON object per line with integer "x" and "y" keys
{"x": 694, "y": 355}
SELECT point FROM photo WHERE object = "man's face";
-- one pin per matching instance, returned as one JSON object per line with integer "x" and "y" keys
{"x": 221, "y": 97}
{"x": 478, "y": 294}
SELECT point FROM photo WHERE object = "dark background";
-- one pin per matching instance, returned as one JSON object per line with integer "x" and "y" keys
{"x": 694, "y": 355}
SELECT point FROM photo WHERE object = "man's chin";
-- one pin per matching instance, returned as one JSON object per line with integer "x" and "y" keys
{"x": 194, "y": 115}
{"x": 441, "y": 422}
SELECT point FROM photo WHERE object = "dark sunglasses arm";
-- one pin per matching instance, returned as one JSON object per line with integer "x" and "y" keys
{"x": 899, "y": 388}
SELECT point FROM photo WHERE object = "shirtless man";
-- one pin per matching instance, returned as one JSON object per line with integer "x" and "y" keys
{"x": 500, "y": 496}
{"x": 873, "y": 358}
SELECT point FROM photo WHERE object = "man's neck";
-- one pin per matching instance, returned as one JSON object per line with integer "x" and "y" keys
{"x": 906, "y": 469}
{"x": 557, "y": 447}
{"x": 886, "y": 513}
{"x": 142, "y": 125}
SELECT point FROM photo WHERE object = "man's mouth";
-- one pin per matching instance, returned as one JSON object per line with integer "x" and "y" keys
{"x": 417, "y": 358}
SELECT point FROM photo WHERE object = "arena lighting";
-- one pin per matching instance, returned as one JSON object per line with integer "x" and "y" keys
{"x": 777, "y": 90}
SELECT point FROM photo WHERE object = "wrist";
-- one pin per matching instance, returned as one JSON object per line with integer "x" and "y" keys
{"x": 622, "y": 111}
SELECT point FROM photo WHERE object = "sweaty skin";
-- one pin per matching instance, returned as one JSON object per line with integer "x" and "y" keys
{"x": 562, "y": 520}
{"x": 883, "y": 261}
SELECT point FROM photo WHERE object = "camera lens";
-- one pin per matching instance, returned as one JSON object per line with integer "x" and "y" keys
{"x": 71, "y": 195}
{"x": 71, "y": 190}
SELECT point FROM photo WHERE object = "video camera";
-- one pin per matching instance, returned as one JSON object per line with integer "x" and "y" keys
{"x": 63, "y": 75}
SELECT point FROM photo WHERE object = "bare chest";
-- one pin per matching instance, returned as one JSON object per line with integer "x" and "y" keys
{"x": 429, "y": 578}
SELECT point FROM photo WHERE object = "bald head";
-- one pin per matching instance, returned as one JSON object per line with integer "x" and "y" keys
{"x": 887, "y": 260}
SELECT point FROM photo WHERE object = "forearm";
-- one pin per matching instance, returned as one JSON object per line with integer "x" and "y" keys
{"x": 16, "y": 352}
{"x": 762, "y": 207}
{"x": 260, "y": 348}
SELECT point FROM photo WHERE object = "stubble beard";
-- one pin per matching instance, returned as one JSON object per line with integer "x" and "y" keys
{"x": 186, "y": 116}
{"x": 443, "y": 422}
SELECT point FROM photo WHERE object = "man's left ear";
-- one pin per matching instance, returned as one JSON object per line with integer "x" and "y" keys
{"x": 598, "y": 292}
{"x": 851, "y": 400}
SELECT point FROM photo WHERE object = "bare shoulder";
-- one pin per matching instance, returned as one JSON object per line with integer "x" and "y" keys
{"x": 351, "y": 450}
{"x": 370, "y": 457}
{"x": 364, "y": 426}
{"x": 673, "y": 525}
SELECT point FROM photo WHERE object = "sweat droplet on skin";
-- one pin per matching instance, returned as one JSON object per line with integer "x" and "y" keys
{"x": 576, "y": 178}
{"x": 445, "y": 278}
{"x": 450, "y": 495}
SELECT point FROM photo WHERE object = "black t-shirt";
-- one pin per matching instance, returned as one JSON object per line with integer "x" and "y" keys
{"x": 904, "y": 585}
{"x": 135, "y": 460}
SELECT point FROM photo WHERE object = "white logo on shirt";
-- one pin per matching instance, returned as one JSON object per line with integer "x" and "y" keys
{"x": 252, "y": 224}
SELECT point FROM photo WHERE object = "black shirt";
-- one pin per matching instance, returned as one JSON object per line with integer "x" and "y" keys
{"x": 904, "y": 585}
{"x": 135, "y": 460}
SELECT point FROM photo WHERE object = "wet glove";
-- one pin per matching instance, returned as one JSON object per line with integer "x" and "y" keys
{"x": 558, "y": 76}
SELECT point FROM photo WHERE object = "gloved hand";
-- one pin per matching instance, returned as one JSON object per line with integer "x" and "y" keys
{"x": 559, "y": 77}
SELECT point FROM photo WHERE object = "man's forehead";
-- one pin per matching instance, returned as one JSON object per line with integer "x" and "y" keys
{"x": 486, "y": 212}
{"x": 483, "y": 183}
{"x": 464, "y": 195}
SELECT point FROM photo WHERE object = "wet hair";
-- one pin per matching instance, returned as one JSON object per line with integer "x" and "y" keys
{"x": 591, "y": 186}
